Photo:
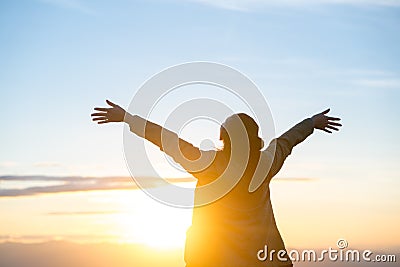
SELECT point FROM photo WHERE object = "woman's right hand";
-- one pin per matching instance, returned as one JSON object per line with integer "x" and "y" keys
{"x": 113, "y": 114}
{"x": 325, "y": 123}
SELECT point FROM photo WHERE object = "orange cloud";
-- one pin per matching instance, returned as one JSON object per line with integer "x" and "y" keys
{"x": 77, "y": 184}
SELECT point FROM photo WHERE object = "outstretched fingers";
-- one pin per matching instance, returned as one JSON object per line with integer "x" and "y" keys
{"x": 333, "y": 128}
{"x": 113, "y": 113}
{"x": 331, "y": 124}
{"x": 326, "y": 123}
{"x": 99, "y": 114}
{"x": 326, "y": 111}
{"x": 333, "y": 118}
{"x": 102, "y": 109}
{"x": 99, "y": 118}
{"x": 111, "y": 103}
{"x": 334, "y": 123}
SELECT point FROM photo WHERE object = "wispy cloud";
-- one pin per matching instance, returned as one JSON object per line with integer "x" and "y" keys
{"x": 379, "y": 83}
{"x": 356, "y": 79}
{"x": 77, "y": 184}
{"x": 373, "y": 79}
{"x": 53, "y": 185}
{"x": 48, "y": 238}
{"x": 248, "y": 5}
{"x": 7, "y": 164}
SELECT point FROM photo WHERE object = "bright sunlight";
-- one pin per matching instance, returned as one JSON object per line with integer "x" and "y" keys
{"x": 146, "y": 221}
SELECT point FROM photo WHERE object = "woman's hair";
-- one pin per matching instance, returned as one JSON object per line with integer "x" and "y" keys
{"x": 236, "y": 124}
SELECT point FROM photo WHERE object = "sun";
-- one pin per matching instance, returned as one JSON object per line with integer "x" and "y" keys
{"x": 151, "y": 223}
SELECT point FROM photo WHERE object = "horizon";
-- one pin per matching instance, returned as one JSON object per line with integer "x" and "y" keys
{"x": 108, "y": 206}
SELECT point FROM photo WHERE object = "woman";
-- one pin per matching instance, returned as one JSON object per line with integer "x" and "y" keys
{"x": 235, "y": 229}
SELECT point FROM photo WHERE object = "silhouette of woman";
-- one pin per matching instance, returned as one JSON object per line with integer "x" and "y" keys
{"x": 236, "y": 228}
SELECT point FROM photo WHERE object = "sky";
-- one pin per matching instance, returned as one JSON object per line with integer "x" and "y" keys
{"x": 61, "y": 58}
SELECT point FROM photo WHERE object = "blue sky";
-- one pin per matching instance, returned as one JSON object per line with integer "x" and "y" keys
{"x": 60, "y": 58}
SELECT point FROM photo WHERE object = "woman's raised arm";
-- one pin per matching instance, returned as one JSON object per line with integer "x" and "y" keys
{"x": 180, "y": 150}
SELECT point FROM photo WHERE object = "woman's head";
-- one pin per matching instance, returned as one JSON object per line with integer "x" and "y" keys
{"x": 243, "y": 127}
